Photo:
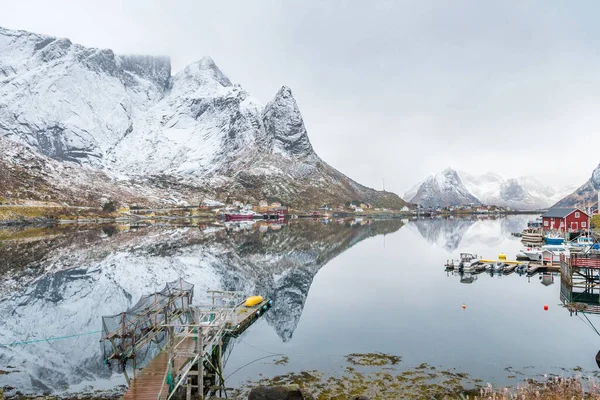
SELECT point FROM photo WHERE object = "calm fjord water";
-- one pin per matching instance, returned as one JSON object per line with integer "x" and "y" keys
{"x": 341, "y": 288}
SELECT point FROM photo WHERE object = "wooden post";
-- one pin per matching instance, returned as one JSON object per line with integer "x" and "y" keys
{"x": 134, "y": 364}
{"x": 125, "y": 374}
{"x": 188, "y": 392}
{"x": 155, "y": 311}
{"x": 181, "y": 288}
{"x": 200, "y": 347}
{"x": 221, "y": 380}
{"x": 123, "y": 325}
{"x": 123, "y": 341}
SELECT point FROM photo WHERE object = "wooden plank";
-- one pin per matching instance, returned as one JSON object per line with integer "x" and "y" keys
{"x": 147, "y": 385}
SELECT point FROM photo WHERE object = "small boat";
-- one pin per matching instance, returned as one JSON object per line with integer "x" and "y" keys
{"x": 584, "y": 242}
{"x": 496, "y": 267}
{"x": 240, "y": 215}
{"x": 532, "y": 254}
{"x": 467, "y": 262}
{"x": 554, "y": 239}
{"x": 522, "y": 269}
{"x": 536, "y": 254}
{"x": 532, "y": 235}
{"x": 537, "y": 223}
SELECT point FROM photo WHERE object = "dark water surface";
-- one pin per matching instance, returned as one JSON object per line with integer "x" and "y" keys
{"x": 341, "y": 288}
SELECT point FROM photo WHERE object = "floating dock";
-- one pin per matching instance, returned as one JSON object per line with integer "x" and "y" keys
{"x": 509, "y": 266}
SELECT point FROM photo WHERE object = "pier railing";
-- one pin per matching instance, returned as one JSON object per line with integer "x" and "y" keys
{"x": 585, "y": 260}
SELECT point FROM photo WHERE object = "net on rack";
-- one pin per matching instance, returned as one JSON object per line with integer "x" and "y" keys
{"x": 140, "y": 331}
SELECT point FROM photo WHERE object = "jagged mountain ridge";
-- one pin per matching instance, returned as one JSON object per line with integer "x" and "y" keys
{"x": 66, "y": 282}
{"x": 129, "y": 118}
{"x": 441, "y": 190}
{"x": 584, "y": 196}
{"x": 523, "y": 193}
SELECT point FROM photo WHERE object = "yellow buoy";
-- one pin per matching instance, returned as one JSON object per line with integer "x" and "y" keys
{"x": 253, "y": 300}
{"x": 502, "y": 257}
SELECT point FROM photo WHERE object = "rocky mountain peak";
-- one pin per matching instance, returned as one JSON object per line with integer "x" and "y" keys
{"x": 449, "y": 172}
{"x": 511, "y": 190}
{"x": 442, "y": 190}
{"x": 153, "y": 68}
{"x": 203, "y": 73}
{"x": 127, "y": 115}
{"x": 283, "y": 122}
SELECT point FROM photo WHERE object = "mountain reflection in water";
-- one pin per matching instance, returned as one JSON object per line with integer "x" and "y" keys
{"x": 60, "y": 281}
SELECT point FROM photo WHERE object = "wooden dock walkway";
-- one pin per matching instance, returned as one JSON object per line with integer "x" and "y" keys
{"x": 195, "y": 353}
{"x": 151, "y": 381}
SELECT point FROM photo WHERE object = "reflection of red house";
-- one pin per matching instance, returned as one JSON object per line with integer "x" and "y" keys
{"x": 279, "y": 211}
{"x": 565, "y": 219}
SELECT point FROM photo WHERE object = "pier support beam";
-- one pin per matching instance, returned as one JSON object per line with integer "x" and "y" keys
{"x": 200, "y": 349}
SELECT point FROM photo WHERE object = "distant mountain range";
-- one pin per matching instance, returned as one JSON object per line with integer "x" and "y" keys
{"x": 85, "y": 124}
{"x": 452, "y": 188}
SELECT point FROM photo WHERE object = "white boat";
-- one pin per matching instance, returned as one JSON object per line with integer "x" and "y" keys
{"x": 467, "y": 262}
{"x": 582, "y": 241}
{"x": 536, "y": 254}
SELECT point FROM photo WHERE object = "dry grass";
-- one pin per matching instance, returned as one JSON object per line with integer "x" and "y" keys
{"x": 554, "y": 388}
{"x": 19, "y": 234}
{"x": 24, "y": 213}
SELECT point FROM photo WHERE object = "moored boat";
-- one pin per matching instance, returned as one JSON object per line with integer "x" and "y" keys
{"x": 536, "y": 254}
{"x": 532, "y": 235}
{"x": 583, "y": 242}
{"x": 468, "y": 262}
{"x": 240, "y": 215}
{"x": 554, "y": 239}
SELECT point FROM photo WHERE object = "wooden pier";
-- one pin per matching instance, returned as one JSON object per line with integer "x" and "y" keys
{"x": 191, "y": 339}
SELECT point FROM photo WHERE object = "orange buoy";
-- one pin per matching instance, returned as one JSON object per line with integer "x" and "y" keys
{"x": 464, "y": 306}
{"x": 545, "y": 307}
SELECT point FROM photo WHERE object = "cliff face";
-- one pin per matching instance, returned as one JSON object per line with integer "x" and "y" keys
{"x": 443, "y": 190}
{"x": 128, "y": 118}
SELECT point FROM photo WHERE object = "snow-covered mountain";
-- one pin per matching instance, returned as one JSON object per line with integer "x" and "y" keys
{"x": 522, "y": 193}
{"x": 441, "y": 190}
{"x": 130, "y": 118}
{"x": 584, "y": 196}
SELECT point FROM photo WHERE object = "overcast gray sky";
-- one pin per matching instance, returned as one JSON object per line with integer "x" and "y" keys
{"x": 388, "y": 89}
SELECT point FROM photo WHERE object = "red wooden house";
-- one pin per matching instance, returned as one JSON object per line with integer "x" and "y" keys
{"x": 565, "y": 219}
